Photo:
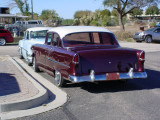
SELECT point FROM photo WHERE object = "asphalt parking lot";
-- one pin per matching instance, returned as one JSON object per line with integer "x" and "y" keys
{"x": 139, "y": 99}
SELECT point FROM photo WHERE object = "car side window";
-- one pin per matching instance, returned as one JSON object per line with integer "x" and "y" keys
{"x": 157, "y": 30}
{"x": 49, "y": 37}
{"x": 27, "y": 35}
{"x": 56, "y": 40}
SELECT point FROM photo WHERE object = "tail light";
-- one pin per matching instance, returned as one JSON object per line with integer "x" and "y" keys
{"x": 141, "y": 59}
{"x": 142, "y": 56}
{"x": 76, "y": 59}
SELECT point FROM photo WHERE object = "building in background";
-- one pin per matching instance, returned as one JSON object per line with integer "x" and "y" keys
{"x": 7, "y": 18}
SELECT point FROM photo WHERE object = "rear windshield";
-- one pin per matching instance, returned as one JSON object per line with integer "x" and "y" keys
{"x": 89, "y": 38}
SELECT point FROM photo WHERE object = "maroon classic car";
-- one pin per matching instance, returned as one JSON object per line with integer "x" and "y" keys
{"x": 83, "y": 53}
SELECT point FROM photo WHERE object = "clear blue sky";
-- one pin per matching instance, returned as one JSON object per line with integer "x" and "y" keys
{"x": 64, "y": 8}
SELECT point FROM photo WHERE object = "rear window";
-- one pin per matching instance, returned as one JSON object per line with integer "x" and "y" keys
{"x": 89, "y": 38}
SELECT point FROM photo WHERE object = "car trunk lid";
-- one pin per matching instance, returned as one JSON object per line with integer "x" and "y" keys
{"x": 104, "y": 59}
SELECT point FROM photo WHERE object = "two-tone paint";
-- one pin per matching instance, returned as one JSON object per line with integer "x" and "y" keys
{"x": 90, "y": 62}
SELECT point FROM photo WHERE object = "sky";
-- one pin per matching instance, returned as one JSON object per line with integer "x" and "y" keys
{"x": 64, "y": 8}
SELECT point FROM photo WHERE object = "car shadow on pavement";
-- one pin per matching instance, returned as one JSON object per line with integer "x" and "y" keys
{"x": 8, "y": 84}
{"x": 151, "y": 82}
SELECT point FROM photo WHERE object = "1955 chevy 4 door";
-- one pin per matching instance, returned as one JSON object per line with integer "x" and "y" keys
{"x": 32, "y": 36}
{"x": 85, "y": 53}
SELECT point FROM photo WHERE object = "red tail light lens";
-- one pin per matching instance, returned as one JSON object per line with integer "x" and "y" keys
{"x": 142, "y": 56}
{"x": 76, "y": 59}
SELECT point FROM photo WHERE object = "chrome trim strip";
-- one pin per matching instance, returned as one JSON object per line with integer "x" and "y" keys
{"x": 102, "y": 77}
{"x": 58, "y": 62}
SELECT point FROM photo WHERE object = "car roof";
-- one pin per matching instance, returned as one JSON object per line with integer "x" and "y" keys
{"x": 64, "y": 30}
{"x": 38, "y": 28}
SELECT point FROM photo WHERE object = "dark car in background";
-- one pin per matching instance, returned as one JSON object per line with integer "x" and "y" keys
{"x": 5, "y": 37}
{"x": 152, "y": 34}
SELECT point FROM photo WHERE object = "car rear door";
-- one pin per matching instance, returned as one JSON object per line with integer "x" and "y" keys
{"x": 59, "y": 57}
{"x": 156, "y": 34}
{"x": 51, "y": 60}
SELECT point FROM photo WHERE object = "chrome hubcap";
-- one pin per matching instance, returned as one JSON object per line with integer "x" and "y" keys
{"x": 149, "y": 40}
{"x": 2, "y": 41}
{"x": 57, "y": 77}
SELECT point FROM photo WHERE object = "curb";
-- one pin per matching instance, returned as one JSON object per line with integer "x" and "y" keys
{"x": 57, "y": 97}
{"x": 34, "y": 101}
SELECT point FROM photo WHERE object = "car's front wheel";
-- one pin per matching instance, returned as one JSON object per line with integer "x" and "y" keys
{"x": 60, "y": 82}
{"x": 35, "y": 67}
{"x": 2, "y": 41}
{"x": 148, "y": 39}
{"x": 20, "y": 53}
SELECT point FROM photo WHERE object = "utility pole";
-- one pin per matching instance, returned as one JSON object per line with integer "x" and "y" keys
{"x": 32, "y": 8}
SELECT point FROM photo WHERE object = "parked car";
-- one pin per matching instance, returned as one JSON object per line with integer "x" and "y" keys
{"x": 85, "y": 53}
{"x": 5, "y": 37}
{"x": 32, "y": 36}
{"x": 152, "y": 34}
{"x": 23, "y": 25}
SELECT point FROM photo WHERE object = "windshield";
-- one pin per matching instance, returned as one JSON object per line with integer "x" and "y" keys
{"x": 89, "y": 38}
{"x": 38, "y": 34}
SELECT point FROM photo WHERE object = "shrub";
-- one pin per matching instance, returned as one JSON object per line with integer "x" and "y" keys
{"x": 152, "y": 24}
{"x": 123, "y": 35}
{"x": 67, "y": 22}
{"x": 94, "y": 23}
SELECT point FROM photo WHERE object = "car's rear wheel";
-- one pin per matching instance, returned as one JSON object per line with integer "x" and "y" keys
{"x": 148, "y": 39}
{"x": 2, "y": 41}
{"x": 35, "y": 67}
{"x": 60, "y": 82}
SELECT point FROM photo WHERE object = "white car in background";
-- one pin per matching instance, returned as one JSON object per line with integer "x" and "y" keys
{"x": 32, "y": 36}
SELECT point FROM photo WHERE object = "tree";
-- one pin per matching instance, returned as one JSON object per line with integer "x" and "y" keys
{"x": 114, "y": 13}
{"x": 153, "y": 10}
{"x": 48, "y": 14}
{"x": 67, "y": 22}
{"x": 124, "y": 7}
{"x": 23, "y": 6}
{"x": 50, "y": 17}
{"x": 80, "y": 14}
{"x": 105, "y": 12}
{"x": 136, "y": 11}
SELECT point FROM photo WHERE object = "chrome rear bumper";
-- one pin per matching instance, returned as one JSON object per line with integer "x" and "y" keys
{"x": 93, "y": 78}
